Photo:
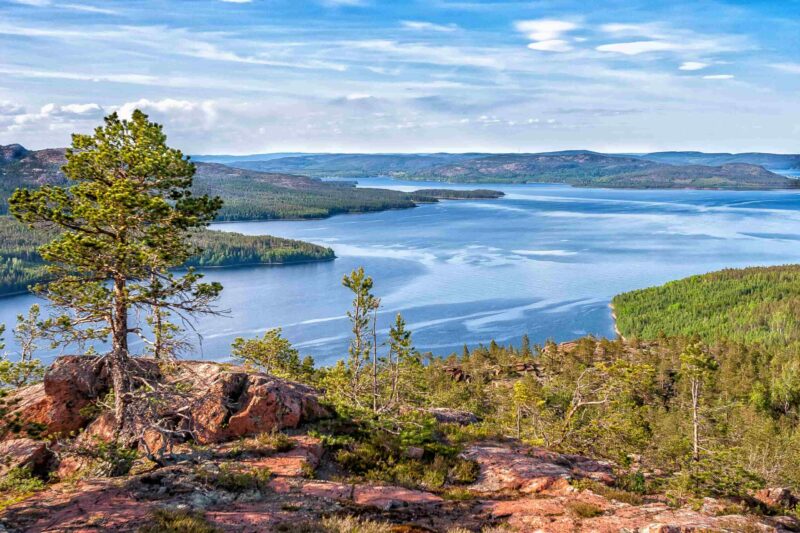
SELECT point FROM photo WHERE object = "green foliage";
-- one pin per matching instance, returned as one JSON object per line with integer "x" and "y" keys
{"x": 584, "y": 509}
{"x": 21, "y": 265}
{"x": 717, "y": 475}
{"x": 25, "y": 369}
{"x": 21, "y": 480}
{"x": 275, "y": 440}
{"x": 610, "y": 493}
{"x": 109, "y": 458}
{"x": 166, "y": 520}
{"x": 758, "y": 305}
{"x": 271, "y": 353}
{"x": 233, "y": 478}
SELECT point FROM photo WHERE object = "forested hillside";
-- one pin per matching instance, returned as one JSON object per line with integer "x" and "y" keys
{"x": 758, "y": 305}
{"x": 248, "y": 194}
{"x": 574, "y": 167}
{"x": 21, "y": 266}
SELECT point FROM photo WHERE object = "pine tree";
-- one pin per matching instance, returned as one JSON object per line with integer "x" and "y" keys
{"x": 698, "y": 368}
{"x": 123, "y": 221}
{"x": 361, "y": 347}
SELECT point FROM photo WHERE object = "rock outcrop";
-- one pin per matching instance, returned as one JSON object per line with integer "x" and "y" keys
{"x": 30, "y": 454}
{"x": 506, "y": 468}
{"x": 511, "y": 492}
{"x": 217, "y": 402}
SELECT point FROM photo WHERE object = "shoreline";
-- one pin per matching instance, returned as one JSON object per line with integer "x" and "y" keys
{"x": 209, "y": 267}
{"x": 614, "y": 318}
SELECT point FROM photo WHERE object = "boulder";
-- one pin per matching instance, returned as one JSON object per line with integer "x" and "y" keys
{"x": 24, "y": 453}
{"x": 453, "y": 416}
{"x": 530, "y": 470}
{"x": 228, "y": 402}
{"x": 55, "y": 406}
{"x": 779, "y": 497}
{"x": 218, "y": 403}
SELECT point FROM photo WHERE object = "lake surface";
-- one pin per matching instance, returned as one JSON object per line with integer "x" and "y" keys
{"x": 545, "y": 260}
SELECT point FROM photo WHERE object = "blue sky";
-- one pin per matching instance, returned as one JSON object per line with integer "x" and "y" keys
{"x": 391, "y": 76}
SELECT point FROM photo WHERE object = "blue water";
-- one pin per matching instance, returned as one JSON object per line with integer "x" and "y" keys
{"x": 545, "y": 260}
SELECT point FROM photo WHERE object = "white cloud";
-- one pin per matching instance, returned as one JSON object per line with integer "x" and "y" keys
{"x": 719, "y": 77}
{"x": 80, "y": 109}
{"x": 428, "y": 26}
{"x": 343, "y": 3}
{"x": 692, "y": 65}
{"x": 638, "y": 47}
{"x": 544, "y": 29}
{"x": 237, "y": 1}
{"x": 36, "y": 3}
{"x": 648, "y": 30}
{"x": 552, "y": 45}
{"x": 88, "y": 9}
{"x": 792, "y": 68}
{"x": 546, "y": 34}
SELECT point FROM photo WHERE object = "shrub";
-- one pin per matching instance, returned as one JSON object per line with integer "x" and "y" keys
{"x": 464, "y": 471}
{"x": 351, "y": 524}
{"x": 21, "y": 480}
{"x": 584, "y": 509}
{"x": 233, "y": 479}
{"x": 607, "y": 492}
{"x": 276, "y": 440}
{"x": 632, "y": 482}
{"x": 458, "y": 494}
{"x": 716, "y": 476}
{"x": 110, "y": 459}
{"x": 177, "y": 521}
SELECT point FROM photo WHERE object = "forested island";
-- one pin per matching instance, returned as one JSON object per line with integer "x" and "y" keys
{"x": 22, "y": 266}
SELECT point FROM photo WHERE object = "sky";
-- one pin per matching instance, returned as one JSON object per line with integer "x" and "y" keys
{"x": 256, "y": 76}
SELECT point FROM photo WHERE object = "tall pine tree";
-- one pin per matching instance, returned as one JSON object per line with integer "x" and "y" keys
{"x": 122, "y": 223}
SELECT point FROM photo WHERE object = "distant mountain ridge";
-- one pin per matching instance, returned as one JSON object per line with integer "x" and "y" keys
{"x": 575, "y": 167}
{"x": 248, "y": 194}
{"x": 766, "y": 160}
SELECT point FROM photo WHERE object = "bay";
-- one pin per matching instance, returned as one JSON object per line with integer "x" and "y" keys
{"x": 544, "y": 260}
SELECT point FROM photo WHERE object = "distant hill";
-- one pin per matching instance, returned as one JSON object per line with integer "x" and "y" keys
{"x": 768, "y": 161}
{"x": 248, "y": 194}
{"x": 574, "y": 167}
{"x": 354, "y": 165}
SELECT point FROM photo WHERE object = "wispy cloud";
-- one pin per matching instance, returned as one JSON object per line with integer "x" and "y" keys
{"x": 428, "y": 26}
{"x": 692, "y": 65}
{"x": 792, "y": 68}
{"x": 344, "y": 3}
{"x": 89, "y": 9}
{"x": 719, "y": 77}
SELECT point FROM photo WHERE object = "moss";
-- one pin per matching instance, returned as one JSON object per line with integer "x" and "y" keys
{"x": 178, "y": 521}
{"x": 584, "y": 509}
{"x": 610, "y": 493}
{"x": 233, "y": 479}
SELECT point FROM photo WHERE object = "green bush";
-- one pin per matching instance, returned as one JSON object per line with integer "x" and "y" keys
{"x": 21, "y": 480}
{"x": 584, "y": 509}
{"x": 177, "y": 521}
{"x": 234, "y": 479}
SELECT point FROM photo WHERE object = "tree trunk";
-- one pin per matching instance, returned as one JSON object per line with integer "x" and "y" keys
{"x": 119, "y": 360}
{"x": 374, "y": 361}
{"x": 695, "y": 421}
